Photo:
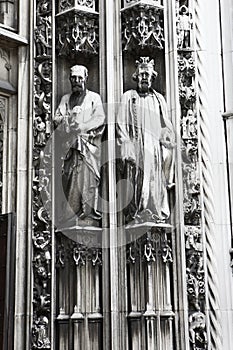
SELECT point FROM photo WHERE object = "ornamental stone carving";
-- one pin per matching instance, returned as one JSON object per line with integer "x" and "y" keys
{"x": 77, "y": 28}
{"x": 148, "y": 258}
{"x": 43, "y": 36}
{"x": 142, "y": 26}
{"x": 43, "y": 7}
{"x": 41, "y": 187}
{"x": 78, "y": 272}
{"x": 197, "y": 332}
{"x": 195, "y": 272}
{"x": 40, "y": 338}
{"x": 89, "y": 5}
{"x": 4, "y": 55}
{"x": 154, "y": 245}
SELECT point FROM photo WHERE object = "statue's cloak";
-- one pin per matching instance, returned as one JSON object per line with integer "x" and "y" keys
{"x": 146, "y": 139}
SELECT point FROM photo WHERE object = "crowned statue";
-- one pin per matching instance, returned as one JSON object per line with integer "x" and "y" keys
{"x": 146, "y": 141}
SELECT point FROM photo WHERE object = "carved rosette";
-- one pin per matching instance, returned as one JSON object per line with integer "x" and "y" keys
{"x": 190, "y": 135}
{"x": 41, "y": 190}
{"x": 142, "y": 25}
{"x": 77, "y": 28}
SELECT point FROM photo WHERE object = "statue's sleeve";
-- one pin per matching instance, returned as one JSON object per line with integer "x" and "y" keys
{"x": 126, "y": 144}
{"x": 122, "y": 121}
{"x": 167, "y": 151}
{"x": 97, "y": 118}
{"x": 166, "y": 121}
{"x": 61, "y": 109}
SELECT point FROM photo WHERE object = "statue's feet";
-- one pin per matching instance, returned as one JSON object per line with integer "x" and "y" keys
{"x": 144, "y": 216}
{"x": 77, "y": 220}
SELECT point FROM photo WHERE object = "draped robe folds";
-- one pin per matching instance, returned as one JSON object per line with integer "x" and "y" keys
{"x": 81, "y": 129}
{"x": 146, "y": 138}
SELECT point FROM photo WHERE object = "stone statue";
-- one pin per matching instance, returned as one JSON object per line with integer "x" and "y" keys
{"x": 184, "y": 27}
{"x": 198, "y": 336}
{"x": 80, "y": 118}
{"x": 146, "y": 141}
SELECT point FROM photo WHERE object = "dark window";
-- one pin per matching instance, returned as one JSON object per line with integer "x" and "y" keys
{"x": 7, "y": 257}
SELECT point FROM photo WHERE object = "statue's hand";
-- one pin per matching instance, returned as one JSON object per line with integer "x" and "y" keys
{"x": 74, "y": 126}
{"x": 58, "y": 119}
{"x": 167, "y": 138}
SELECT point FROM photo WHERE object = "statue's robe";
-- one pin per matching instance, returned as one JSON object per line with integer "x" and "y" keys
{"x": 146, "y": 139}
{"x": 82, "y": 134}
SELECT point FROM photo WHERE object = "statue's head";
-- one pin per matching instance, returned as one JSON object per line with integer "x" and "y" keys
{"x": 144, "y": 74}
{"x": 78, "y": 78}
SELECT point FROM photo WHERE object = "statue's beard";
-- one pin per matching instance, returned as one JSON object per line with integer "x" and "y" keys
{"x": 78, "y": 87}
{"x": 144, "y": 86}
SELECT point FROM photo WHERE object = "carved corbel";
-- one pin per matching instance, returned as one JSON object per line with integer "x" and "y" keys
{"x": 77, "y": 28}
{"x": 142, "y": 25}
{"x": 88, "y": 5}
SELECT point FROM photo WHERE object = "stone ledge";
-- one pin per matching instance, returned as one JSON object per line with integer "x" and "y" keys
{"x": 142, "y": 228}
{"x": 6, "y": 87}
{"x": 11, "y": 39}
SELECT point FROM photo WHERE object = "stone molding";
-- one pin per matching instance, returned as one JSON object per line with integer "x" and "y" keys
{"x": 214, "y": 320}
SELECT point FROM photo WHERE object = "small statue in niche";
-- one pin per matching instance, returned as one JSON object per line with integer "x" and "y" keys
{"x": 198, "y": 336}
{"x": 43, "y": 37}
{"x": 40, "y": 334}
{"x": 184, "y": 27}
{"x": 146, "y": 139}
{"x": 81, "y": 118}
{"x": 39, "y": 131}
{"x": 189, "y": 125}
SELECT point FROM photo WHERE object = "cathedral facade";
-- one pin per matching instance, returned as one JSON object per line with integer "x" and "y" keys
{"x": 116, "y": 177}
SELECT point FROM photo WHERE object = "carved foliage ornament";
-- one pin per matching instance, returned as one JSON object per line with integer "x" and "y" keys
{"x": 41, "y": 236}
{"x": 142, "y": 26}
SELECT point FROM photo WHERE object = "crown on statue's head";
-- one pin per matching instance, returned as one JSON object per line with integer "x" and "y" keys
{"x": 144, "y": 63}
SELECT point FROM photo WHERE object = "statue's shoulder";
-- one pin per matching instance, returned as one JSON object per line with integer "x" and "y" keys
{"x": 65, "y": 98}
{"x": 93, "y": 95}
{"x": 129, "y": 94}
{"x": 159, "y": 96}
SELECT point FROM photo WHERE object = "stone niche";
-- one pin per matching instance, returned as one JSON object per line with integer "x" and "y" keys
{"x": 143, "y": 35}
